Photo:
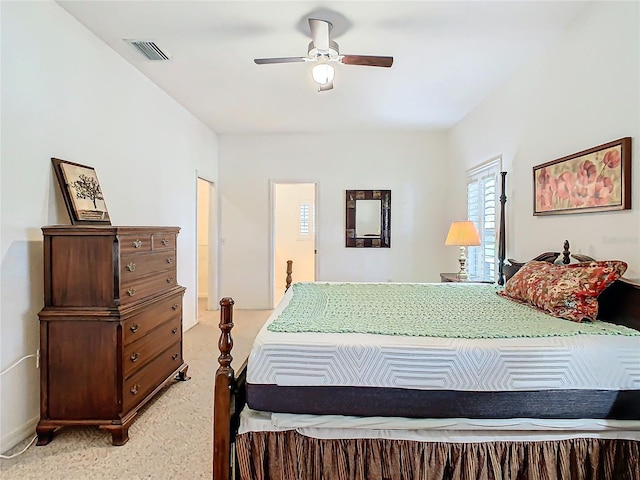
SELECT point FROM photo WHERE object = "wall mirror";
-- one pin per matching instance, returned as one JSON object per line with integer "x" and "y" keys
{"x": 368, "y": 218}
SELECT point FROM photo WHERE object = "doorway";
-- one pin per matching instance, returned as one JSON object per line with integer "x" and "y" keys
{"x": 207, "y": 257}
{"x": 294, "y": 234}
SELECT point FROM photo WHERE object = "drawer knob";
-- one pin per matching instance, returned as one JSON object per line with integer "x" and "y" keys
{"x": 131, "y": 292}
{"x": 170, "y": 260}
{"x": 137, "y": 244}
{"x": 175, "y": 306}
{"x": 174, "y": 356}
{"x": 131, "y": 266}
{"x": 174, "y": 331}
{"x": 134, "y": 328}
{"x": 134, "y": 356}
{"x": 165, "y": 242}
{"x": 134, "y": 389}
{"x": 170, "y": 280}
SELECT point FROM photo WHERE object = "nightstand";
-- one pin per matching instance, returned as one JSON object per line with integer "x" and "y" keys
{"x": 453, "y": 277}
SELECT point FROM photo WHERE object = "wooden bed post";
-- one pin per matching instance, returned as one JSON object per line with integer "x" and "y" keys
{"x": 566, "y": 254}
{"x": 502, "y": 240}
{"x": 224, "y": 385}
{"x": 289, "y": 272}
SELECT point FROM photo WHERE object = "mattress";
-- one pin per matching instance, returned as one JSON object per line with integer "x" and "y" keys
{"x": 579, "y": 376}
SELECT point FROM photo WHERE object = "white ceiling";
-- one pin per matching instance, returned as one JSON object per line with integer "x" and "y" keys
{"x": 448, "y": 57}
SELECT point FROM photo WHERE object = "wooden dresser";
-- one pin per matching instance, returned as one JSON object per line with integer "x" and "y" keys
{"x": 111, "y": 326}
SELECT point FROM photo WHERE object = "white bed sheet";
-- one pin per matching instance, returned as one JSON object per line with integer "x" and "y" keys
{"x": 349, "y": 359}
{"x": 438, "y": 430}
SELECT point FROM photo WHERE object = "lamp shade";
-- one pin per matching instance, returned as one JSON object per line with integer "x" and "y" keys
{"x": 462, "y": 234}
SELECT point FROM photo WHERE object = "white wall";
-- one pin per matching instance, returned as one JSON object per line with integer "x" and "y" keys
{"x": 581, "y": 92}
{"x": 66, "y": 94}
{"x": 414, "y": 166}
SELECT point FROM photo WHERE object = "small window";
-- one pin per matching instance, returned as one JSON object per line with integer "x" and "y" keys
{"x": 305, "y": 219}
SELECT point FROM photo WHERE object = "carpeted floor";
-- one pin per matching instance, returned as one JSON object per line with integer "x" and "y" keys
{"x": 170, "y": 439}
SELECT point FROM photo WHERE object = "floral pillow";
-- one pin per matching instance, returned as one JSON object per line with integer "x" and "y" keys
{"x": 566, "y": 291}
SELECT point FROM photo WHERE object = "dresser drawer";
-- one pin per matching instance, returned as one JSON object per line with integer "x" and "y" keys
{"x": 137, "y": 288}
{"x": 141, "y": 352}
{"x": 162, "y": 241}
{"x": 139, "y": 325}
{"x": 140, "y": 384}
{"x": 134, "y": 243}
{"x": 134, "y": 266}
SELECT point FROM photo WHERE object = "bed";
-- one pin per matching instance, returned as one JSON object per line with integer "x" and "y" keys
{"x": 338, "y": 404}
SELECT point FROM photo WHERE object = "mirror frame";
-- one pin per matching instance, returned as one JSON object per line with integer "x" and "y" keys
{"x": 351, "y": 199}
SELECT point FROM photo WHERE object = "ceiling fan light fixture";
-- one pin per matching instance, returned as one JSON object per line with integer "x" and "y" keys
{"x": 323, "y": 73}
{"x": 322, "y": 52}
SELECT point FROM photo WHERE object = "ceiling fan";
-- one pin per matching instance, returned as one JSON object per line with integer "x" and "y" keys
{"x": 323, "y": 52}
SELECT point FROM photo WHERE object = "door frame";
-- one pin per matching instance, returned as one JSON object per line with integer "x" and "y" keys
{"x": 214, "y": 245}
{"x": 272, "y": 230}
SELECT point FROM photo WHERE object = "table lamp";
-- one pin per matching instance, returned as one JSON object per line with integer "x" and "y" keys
{"x": 462, "y": 234}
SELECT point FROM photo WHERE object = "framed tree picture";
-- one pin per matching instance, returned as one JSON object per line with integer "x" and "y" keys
{"x": 82, "y": 193}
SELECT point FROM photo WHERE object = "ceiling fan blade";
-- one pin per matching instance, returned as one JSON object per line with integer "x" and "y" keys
{"x": 320, "y": 33}
{"x": 367, "y": 60}
{"x": 263, "y": 61}
{"x": 325, "y": 87}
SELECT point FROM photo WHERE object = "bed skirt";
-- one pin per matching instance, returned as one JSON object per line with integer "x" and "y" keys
{"x": 289, "y": 455}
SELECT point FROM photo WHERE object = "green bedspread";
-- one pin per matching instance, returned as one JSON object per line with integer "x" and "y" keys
{"x": 436, "y": 310}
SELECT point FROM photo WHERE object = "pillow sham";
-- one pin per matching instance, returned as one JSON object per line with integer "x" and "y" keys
{"x": 565, "y": 291}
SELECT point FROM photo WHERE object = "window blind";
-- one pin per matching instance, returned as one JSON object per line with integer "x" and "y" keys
{"x": 304, "y": 219}
{"x": 482, "y": 200}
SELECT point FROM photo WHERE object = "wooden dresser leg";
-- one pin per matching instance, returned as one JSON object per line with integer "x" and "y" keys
{"x": 120, "y": 437}
{"x": 182, "y": 374}
{"x": 120, "y": 431}
{"x": 45, "y": 435}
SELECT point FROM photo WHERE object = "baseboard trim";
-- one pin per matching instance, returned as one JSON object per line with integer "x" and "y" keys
{"x": 23, "y": 432}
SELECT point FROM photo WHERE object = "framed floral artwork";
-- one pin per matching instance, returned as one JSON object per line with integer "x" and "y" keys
{"x": 594, "y": 180}
{"x": 81, "y": 192}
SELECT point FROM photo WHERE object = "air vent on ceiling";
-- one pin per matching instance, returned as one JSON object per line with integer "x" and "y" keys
{"x": 149, "y": 49}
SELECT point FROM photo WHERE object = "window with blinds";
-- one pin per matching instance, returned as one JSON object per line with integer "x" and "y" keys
{"x": 304, "y": 219}
{"x": 482, "y": 201}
